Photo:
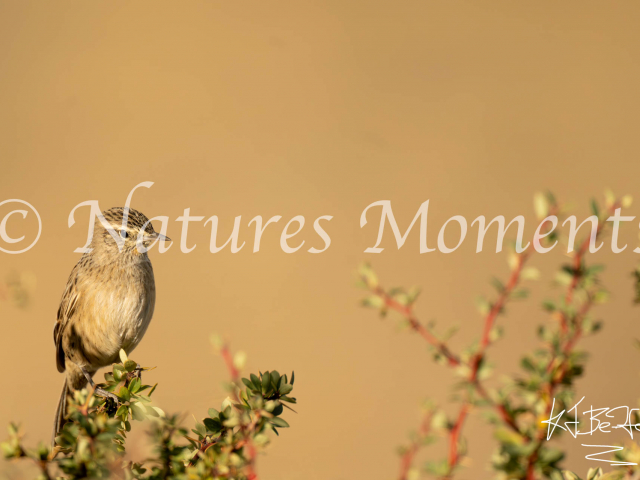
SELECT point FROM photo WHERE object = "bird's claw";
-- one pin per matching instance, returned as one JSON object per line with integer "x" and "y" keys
{"x": 101, "y": 392}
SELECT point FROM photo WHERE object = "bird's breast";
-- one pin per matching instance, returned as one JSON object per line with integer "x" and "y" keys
{"x": 121, "y": 308}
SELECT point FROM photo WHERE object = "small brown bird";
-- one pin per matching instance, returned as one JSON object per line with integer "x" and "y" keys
{"x": 108, "y": 302}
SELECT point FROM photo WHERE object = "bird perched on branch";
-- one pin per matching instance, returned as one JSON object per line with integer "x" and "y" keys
{"x": 108, "y": 302}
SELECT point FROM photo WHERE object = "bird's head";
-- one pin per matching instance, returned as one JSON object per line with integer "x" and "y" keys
{"x": 124, "y": 231}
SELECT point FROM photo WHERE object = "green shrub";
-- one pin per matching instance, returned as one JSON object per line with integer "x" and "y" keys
{"x": 223, "y": 445}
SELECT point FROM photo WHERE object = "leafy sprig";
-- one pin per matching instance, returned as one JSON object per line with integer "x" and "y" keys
{"x": 224, "y": 444}
{"x": 519, "y": 404}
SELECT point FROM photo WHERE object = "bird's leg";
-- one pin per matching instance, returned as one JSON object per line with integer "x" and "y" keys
{"x": 101, "y": 392}
{"x": 139, "y": 372}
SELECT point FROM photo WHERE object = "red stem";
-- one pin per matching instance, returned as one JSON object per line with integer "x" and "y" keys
{"x": 225, "y": 352}
{"x": 228, "y": 360}
{"x": 570, "y": 341}
{"x": 418, "y": 327}
{"x": 454, "y": 436}
{"x": 453, "y": 360}
{"x": 408, "y": 457}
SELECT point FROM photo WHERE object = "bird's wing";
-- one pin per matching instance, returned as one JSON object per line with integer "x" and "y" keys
{"x": 67, "y": 308}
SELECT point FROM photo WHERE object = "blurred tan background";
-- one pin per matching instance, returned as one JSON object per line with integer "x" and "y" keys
{"x": 315, "y": 108}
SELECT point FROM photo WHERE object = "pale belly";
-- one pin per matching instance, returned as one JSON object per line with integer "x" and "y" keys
{"x": 115, "y": 316}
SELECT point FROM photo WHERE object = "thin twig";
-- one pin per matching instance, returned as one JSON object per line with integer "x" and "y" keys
{"x": 417, "y": 326}
{"x": 453, "y": 360}
{"x": 570, "y": 340}
{"x": 408, "y": 457}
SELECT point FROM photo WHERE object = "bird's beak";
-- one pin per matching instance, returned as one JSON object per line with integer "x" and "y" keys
{"x": 160, "y": 237}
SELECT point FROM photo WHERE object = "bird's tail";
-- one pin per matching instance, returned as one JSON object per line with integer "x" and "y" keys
{"x": 61, "y": 412}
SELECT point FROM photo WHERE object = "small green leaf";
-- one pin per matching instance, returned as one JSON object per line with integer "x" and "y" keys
{"x": 275, "y": 378}
{"x": 279, "y": 422}
{"x": 212, "y": 425}
{"x": 124, "y": 394}
{"x": 373, "y": 301}
{"x": 285, "y": 388}
{"x": 118, "y": 372}
{"x": 151, "y": 411}
{"x": 130, "y": 365}
{"x": 135, "y": 385}
{"x": 247, "y": 383}
{"x": 138, "y": 412}
{"x": 266, "y": 379}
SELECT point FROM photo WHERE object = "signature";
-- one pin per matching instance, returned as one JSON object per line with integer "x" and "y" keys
{"x": 604, "y": 420}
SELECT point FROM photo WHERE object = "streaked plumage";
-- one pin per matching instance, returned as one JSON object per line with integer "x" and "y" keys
{"x": 108, "y": 301}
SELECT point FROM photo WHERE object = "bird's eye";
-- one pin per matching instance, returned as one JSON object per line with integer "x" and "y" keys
{"x": 123, "y": 233}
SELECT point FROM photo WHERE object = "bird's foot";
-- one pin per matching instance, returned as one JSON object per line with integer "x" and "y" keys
{"x": 101, "y": 392}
